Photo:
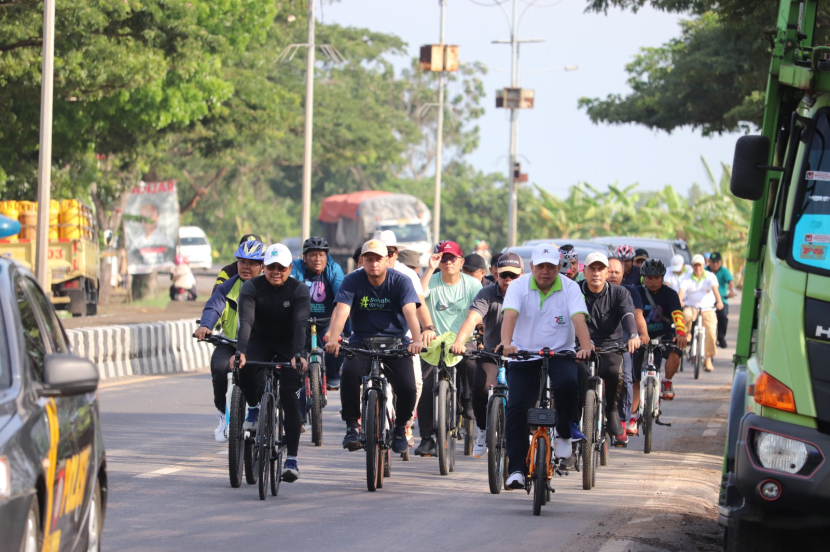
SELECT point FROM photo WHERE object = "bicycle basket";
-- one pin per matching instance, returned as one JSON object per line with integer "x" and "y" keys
{"x": 382, "y": 343}
{"x": 545, "y": 417}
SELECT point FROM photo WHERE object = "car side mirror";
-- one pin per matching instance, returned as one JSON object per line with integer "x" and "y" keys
{"x": 749, "y": 167}
{"x": 68, "y": 375}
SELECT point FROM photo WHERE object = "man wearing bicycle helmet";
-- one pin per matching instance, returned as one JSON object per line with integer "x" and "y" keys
{"x": 229, "y": 271}
{"x": 273, "y": 318}
{"x": 318, "y": 270}
{"x": 662, "y": 311}
{"x": 570, "y": 263}
{"x": 221, "y": 312}
{"x": 631, "y": 274}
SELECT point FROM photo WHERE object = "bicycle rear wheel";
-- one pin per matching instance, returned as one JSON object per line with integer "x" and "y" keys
{"x": 540, "y": 476}
{"x": 604, "y": 441}
{"x": 468, "y": 436}
{"x": 316, "y": 406}
{"x": 648, "y": 415}
{"x": 451, "y": 441}
{"x": 236, "y": 437}
{"x": 265, "y": 438}
{"x": 371, "y": 417}
{"x": 589, "y": 425}
{"x": 495, "y": 444}
{"x": 442, "y": 435}
{"x": 251, "y": 469}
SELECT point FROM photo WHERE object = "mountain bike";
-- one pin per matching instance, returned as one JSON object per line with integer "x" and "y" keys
{"x": 697, "y": 353}
{"x": 594, "y": 451}
{"x": 648, "y": 413}
{"x": 269, "y": 448}
{"x": 377, "y": 415}
{"x": 315, "y": 382}
{"x": 240, "y": 444}
{"x": 496, "y": 405}
{"x": 541, "y": 462}
{"x": 445, "y": 413}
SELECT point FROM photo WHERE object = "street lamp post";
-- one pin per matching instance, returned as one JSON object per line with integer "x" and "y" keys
{"x": 44, "y": 172}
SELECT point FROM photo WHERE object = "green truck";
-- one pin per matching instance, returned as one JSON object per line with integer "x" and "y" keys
{"x": 776, "y": 474}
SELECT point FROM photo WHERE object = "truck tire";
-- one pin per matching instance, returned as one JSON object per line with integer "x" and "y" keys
{"x": 78, "y": 298}
{"x": 752, "y": 537}
{"x": 92, "y": 299}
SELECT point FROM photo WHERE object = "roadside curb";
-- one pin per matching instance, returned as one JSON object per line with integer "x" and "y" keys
{"x": 141, "y": 349}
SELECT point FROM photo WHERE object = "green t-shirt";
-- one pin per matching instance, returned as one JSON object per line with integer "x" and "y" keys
{"x": 449, "y": 305}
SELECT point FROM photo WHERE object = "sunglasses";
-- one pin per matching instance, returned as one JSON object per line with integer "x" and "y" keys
{"x": 391, "y": 252}
{"x": 277, "y": 267}
{"x": 449, "y": 258}
{"x": 508, "y": 275}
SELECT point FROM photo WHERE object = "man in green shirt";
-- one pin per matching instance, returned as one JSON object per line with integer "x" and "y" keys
{"x": 726, "y": 287}
{"x": 448, "y": 296}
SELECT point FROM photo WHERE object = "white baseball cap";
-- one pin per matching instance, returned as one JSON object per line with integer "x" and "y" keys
{"x": 677, "y": 263}
{"x": 278, "y": 253}
{"x": 545, "y": 253}
{"x": 596, "y": 257}
{"x": 387, "y": 237}
{"x": 698, "y": 259}
{"x": 374, "y": 246}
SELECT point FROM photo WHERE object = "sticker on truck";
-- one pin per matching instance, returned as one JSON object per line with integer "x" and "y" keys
{"x": 818, "y": 175}
{"x": 813, "y": 252}
{"x": 817, "y": 238}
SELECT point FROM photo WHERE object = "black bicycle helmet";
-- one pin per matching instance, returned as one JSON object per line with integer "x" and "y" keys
{"x": 315, "y": 243}
{"x": 653, "y": 267}
{"x": 568, "y": 252}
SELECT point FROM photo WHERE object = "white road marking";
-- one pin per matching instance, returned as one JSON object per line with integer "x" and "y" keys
{"x": 616, "y": 546}
{"x": 642, "y": 520}
{"x": 225, "y": 452}
{"x": 710, "y": 432}
{"x": 158, "y": 473}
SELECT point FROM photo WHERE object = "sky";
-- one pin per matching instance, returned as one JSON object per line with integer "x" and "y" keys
{"x": 558, "y": 144}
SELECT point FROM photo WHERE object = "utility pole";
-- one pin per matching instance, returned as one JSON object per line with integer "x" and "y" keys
{"x": 514, "y": 106}
{"x": 44, "y": 172}
{"x": 439, "y": 137}
{"x": 309, "y": 114}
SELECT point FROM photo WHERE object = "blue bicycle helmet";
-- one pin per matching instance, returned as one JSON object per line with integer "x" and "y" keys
{"x": 251, "y": 250}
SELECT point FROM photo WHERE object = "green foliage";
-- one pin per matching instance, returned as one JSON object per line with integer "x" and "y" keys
{"x": 714, "y": 221}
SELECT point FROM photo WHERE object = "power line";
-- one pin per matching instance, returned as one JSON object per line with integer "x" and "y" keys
{"x": 493, "y": 5}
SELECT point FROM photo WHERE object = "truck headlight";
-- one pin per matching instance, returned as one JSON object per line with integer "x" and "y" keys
{"x": 781, "y": 453}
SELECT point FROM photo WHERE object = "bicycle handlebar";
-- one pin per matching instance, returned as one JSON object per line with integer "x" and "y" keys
{"x": 381, "y": 353}
{"x": 545, "y": 353}
{"x": 214, "y": 339}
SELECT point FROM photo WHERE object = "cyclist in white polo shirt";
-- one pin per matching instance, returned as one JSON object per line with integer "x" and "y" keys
{"x": 542, "y": 309}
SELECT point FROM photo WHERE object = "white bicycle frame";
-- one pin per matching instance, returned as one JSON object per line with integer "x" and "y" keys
{"x": 699, "y": 335}
{"x": 651, "y": 374}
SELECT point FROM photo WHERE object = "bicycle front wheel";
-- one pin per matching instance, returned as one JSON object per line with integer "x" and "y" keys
{"x": 265, "y": 437}
{"x": 648, "y": 415}
{"x": 442, "y": 435}
{"x": 604, "y": 441}
{"x": 279, "y": 457}
{"x": 236, "y": 437}
{"x": 495, "y": 444}
{"x": 697, "y": 350}
{"x": 540, "y": 476}
{"x": 468, "y": 436}
{"x": 371, "y": 418}
{"x": 589, "y": 425}
{"x": 316, "y": 406}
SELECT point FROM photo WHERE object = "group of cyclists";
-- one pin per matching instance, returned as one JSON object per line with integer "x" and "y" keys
{"x": 264, "y": 301}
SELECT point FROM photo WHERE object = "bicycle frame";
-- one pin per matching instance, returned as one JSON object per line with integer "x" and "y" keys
{"x": 448, "y": 374}
{"x": 317, "y": 354}
{"x": 541, "y": 431}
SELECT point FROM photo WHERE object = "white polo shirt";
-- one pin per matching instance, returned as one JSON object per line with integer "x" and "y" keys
{"x": 544, "y": 320}
{"x": 673, "y": 280}
{"x": 698, "y": 292}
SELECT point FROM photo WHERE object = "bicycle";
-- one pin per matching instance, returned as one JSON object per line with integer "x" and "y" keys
{"x": 496, "y": 405}
{"x": 697, "y": 352}
{"x": 240, "y": 445}
{"x": 315, "y": 383}
{"x": 594, "y": 451}
{"x": 445, "y": 413}
{"x": 648, "y": 412}
{"x": 541, "y": 463}
{"x": 269, "y": 448}
{"x": 376, "y": 430}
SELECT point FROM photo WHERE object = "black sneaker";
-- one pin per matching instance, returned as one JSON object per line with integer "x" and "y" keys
{"x": 399, "y": 442}
{"x": 352, "y": 439}
{"x": 426, "y": 448}
{"x": 722, "y": 343}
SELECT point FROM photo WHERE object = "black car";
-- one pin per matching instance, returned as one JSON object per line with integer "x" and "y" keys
{"x": 53, "y": 478}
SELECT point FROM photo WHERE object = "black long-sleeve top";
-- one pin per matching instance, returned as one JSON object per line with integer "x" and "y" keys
{"x": 608, "y": 311}
{"x": 276, "y": 316}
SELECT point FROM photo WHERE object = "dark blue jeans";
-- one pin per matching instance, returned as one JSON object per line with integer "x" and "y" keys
{"x": 524, "y": 391}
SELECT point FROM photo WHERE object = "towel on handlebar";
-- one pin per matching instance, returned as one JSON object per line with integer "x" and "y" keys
{"x": 433, "y": 354}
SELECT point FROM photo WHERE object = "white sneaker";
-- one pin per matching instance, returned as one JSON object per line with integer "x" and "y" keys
{"x": 480, "y": 446}
{"x": 516, "y": 481}
{"x": 562, "y": 448}
{"x": 220, "y": 433}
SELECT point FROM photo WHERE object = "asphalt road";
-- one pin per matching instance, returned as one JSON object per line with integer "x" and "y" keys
{"x": 169, "y": 487}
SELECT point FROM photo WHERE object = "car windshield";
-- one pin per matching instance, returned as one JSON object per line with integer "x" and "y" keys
{"x": 407, "y": 232}
{"x": 811, "y": 236}
{"x": 197, "y": 240}
{"x": 5, "y": 365}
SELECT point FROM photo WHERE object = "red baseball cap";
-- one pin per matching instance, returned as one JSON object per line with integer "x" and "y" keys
{"x": 450, "y": 248}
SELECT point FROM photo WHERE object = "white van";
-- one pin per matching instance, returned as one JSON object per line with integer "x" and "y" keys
{"x": 195, "y": 247}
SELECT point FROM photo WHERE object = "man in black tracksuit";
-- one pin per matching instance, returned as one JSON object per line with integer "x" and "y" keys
{"x": 273, "y": 315}
{"x": 609, "y": 308}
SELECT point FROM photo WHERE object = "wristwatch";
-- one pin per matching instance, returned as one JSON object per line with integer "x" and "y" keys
{"x": 632, "y": 336}
{"x": 430, "y": 327}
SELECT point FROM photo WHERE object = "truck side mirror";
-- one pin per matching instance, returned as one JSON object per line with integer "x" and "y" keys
{"x": 108, "y": 237}
{"x": 749, "y": 168}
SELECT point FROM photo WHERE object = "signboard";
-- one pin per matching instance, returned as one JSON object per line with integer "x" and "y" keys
{"x": 151, "y": 226}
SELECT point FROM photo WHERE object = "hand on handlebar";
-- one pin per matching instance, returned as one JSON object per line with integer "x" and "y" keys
{"x": 507, "y": 349}
{"x": 583, "y": 354}
{"x": 428, "y": 336}
{"x": 633, "y": 344}
{"x": 332, "y": 347}
{"x": 241, "y": 360}
{"x": 415, "y": 348}
{"x": 458, "y": 348}
{"x": 680, "y": 341}
{"x": 201, "y": 333}
{"x": 303, "y": 364}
